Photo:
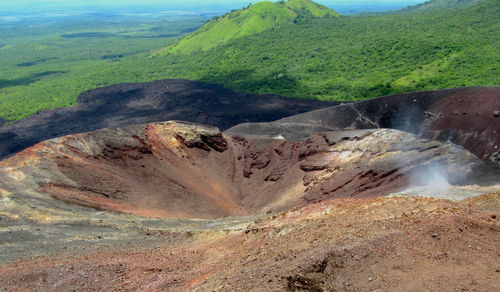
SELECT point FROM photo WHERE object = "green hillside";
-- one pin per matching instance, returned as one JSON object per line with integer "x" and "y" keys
{"x": 254, "y": 19}
{"x": 309, "y": 8}
{"x": 342, "y": 58}
{"x": 442, "y": 4}
{"x": 356, "y": 57}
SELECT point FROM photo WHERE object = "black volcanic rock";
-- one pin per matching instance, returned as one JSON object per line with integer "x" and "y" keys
{"x": 462, "y": 116}
{"x": 141, "y": 103}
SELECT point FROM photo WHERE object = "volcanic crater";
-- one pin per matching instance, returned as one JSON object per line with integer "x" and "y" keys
{"x": 320, "y": 201}
{"x": 185, "y": 170}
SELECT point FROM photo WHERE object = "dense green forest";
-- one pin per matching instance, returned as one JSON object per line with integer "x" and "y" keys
{"x": 356, "y": 57}
{"x": 344, "y": 58}
{"x": 441, "y": 4}
{"x": 47, "y": 63}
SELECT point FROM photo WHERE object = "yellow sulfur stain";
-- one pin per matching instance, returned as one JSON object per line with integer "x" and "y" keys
{"x": 14, "y": 210}
{"x": 9, "y": 215}
{"x": 44, "y": 218}
{"x": 213, "y": 234}
{"x": 4, "y": 193}
{"x": 15, "y": 173}
{"x": 174, "y": 143}
{"x": 346, "y": 157}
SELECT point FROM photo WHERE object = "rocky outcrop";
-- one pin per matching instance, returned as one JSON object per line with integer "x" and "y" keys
{"x": 184, "y": 170}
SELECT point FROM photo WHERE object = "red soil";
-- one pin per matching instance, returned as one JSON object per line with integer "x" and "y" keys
{"x": 470, "y": 120}
{"x": 385, "y": 244}
{"x": 180, "y": 170}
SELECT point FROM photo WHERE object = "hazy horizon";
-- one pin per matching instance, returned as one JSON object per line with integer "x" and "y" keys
{"x": 185, "y": 2}
{"x": 343, "y": 6}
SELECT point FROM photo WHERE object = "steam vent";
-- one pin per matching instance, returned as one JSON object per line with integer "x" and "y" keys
{"x": 376, "y": 189}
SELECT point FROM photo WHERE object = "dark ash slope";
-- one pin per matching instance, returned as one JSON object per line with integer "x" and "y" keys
{"x": 465, "y": 116}
{"x": 141, "y": 103}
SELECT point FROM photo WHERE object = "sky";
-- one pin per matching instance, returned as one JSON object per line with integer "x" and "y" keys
{"x": 192, "y": 2}
{"x": 342, "y": 6}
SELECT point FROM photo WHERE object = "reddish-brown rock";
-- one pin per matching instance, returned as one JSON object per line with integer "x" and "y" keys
{"x": 182, "y": 170}
{"x": 464, "y": 116}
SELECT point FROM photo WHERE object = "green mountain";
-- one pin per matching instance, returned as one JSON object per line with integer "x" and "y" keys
{"x": 307, "y": 8}
{"x": 254, "y": 19}
{"x": 357, "y": 57}
{"x": 442, "y": 4}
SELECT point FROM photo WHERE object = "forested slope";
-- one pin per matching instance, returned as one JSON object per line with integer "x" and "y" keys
{"x": 341, "y": 58}
{"x": 360, "y": 56}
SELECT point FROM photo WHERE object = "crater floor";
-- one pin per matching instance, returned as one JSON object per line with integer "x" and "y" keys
{"x": 385, "y": 244}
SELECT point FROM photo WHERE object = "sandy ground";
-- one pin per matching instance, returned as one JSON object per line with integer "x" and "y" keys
{"x": 383, "y": 244}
